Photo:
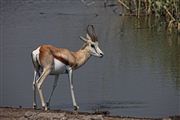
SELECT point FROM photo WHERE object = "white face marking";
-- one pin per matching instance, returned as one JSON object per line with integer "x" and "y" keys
{"x": 59, "y": 67}
{"x": 95, "y": 50}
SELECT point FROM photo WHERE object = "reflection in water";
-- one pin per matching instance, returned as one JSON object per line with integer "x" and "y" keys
{"x": 139, "y": 75}
{"x": 117, "y": 105}
{"x": 159, "y": 44}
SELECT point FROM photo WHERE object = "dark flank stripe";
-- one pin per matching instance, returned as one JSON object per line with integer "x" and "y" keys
{"x": 66, "y": 62}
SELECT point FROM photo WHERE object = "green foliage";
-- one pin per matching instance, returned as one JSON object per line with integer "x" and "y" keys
{"x": 166, "y": 9}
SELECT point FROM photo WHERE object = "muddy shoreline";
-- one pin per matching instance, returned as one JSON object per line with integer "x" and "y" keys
{"x": 10, "y": 113}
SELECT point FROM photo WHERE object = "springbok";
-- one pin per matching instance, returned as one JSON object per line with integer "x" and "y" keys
{"x": 50, "y": 60}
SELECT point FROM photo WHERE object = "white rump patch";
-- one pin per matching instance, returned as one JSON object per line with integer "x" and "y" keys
{"x": 36, "y": 55}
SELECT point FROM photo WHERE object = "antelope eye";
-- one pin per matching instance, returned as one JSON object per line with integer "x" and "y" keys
{"x": 92, "y": 45}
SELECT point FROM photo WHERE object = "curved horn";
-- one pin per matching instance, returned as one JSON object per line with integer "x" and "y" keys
{"x": 91, "y": 32}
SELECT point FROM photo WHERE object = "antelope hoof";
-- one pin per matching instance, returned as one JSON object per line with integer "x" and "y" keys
{"x": 34, "y": 106}
{"x": 76, "y": 108}
{"x": 45, "y": 108}
{"x": 47, "y": 104}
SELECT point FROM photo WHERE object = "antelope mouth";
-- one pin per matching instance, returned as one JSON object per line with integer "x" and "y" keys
{"x": 101, "y": 55}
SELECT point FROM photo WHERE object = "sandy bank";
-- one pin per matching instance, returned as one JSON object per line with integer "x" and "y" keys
{"x": 8, "y": 113}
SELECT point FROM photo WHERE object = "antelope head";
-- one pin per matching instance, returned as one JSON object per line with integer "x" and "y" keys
{"x": 92, "y": 42}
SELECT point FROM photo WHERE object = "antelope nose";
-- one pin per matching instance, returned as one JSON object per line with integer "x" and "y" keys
{"x": 101, "y": 55}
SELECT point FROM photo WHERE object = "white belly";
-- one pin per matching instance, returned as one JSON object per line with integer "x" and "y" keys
{"x": 59, "y": 67}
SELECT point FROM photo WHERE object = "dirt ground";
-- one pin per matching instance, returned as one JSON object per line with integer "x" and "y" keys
{"x": 8, "y": 113}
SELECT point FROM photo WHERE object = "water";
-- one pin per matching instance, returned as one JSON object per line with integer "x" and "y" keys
{"x": 139, "y": 75}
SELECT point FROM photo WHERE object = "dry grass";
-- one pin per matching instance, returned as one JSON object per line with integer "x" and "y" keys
{"x": 168, "y": 10}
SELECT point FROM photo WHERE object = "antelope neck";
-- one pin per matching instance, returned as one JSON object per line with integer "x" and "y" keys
{"x": 81, "y": 56}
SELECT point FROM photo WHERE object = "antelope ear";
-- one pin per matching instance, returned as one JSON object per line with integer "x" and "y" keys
{"x": 83, "y": 38}
{"x": 88, "y": 37}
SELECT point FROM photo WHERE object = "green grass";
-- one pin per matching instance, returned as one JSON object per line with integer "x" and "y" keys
{"x": 166, "y": 10}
